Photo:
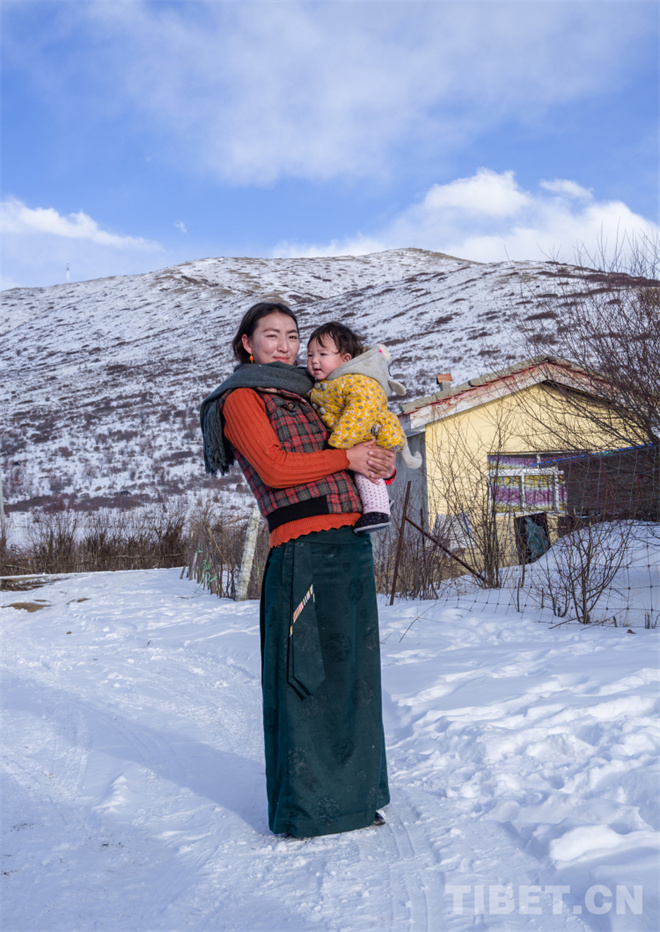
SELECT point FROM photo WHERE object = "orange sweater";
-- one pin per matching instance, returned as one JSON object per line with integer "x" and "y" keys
{"x": 248, "y": 429}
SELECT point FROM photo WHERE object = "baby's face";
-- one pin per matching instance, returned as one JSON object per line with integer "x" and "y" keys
{"x": 323, "y": 358}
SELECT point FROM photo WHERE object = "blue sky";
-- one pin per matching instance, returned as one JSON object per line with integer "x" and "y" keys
{"x": 141, "y": 134}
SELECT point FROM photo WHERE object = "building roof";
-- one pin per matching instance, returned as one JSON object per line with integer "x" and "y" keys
{"x": 484, "y": 388}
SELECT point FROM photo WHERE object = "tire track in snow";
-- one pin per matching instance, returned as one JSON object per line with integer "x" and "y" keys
{"x": 409, "y": 871}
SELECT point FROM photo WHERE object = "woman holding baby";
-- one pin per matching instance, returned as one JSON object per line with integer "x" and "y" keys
{"x": 325, "y": 751}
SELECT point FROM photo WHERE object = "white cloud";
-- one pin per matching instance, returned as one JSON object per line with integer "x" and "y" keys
{"x": 181, "y": 226}
{"x": 38, "y": 244}
{"x": 568, "y": 188}
{"x": 18, "y": 219}
{"x": 486, "y": 193}
{"x": 254, "y": 92}
{"x": 489, "y": 218}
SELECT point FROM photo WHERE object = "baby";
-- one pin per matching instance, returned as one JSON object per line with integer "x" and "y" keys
{"x": 350, "y": 395}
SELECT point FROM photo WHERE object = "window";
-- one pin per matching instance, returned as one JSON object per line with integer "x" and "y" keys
{"x": 526, "y": 483}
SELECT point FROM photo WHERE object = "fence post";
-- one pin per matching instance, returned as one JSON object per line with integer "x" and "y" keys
{"x": 402, "y": 530}
{"x": 3, "y": 529}
{"x": 191, "y": 569}
{"x": 248, "y": 555}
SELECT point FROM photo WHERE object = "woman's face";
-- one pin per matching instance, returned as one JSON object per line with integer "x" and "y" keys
{"x": 275, "y": 339}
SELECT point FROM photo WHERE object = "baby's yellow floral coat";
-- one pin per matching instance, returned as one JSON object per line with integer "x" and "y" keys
{"x": 354, "y": 408}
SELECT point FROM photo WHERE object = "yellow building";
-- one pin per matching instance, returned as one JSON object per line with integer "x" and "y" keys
{"x": 499, "y": 453}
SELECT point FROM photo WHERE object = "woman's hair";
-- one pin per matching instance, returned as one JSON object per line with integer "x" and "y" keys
{"x": 343, "y": 337}
{"x": 249, "y": 323}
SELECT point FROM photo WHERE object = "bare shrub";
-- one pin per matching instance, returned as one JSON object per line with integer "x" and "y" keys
{"x": 580, "y": 568}
{"x": 66, "y": 541}
{"x": 6, "y": 556}
{"x": 421, "y": 567}
{"x": 53, "y": 539}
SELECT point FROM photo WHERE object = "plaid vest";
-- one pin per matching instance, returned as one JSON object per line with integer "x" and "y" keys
{"x": 299, "y": 430}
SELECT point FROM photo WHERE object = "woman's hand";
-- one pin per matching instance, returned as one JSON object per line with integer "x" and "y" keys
{"x": 371, "y": 461}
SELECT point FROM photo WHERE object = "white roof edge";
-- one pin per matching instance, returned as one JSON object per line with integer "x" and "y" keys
{"x": 488, "y": 388}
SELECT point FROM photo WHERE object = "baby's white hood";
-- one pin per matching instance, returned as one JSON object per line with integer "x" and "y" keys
{"x": 373, "y": 362}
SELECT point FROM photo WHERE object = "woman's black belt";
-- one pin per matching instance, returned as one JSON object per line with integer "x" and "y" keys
{"x": 309, "y": 508}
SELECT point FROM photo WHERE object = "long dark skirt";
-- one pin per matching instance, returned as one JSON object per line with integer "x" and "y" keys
{"x": 323, "y": 728}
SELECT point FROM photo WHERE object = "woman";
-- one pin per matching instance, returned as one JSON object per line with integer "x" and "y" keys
{"x": 325, "y": 750}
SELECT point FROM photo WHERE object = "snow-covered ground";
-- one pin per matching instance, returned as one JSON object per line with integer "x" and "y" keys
{"x": 523, "y": 770}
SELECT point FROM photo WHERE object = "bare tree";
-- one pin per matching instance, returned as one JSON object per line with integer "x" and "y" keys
{"x": 464, "y": 473}
{"x": 609, "y": 325}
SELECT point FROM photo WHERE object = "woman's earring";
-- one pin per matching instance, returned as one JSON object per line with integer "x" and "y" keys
{"x": 251, "y": 358}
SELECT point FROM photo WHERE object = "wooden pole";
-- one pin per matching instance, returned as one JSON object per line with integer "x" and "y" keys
{"x": 3, "y": 529}
{"x": 442, "y": 547}
{"x": 248, "y": 555}
{"x": 400, "y": 544}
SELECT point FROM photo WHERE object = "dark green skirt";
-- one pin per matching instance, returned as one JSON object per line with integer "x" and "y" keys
{"x": 323, "y": 727}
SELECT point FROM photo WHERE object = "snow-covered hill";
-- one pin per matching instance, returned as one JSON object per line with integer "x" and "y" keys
{"x": 102, "y": 379}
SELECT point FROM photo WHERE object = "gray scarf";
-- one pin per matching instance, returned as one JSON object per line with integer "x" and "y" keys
{"x": 218, "y": 454}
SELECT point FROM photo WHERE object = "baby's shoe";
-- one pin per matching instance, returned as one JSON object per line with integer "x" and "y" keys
{"x": 371, "y": 521}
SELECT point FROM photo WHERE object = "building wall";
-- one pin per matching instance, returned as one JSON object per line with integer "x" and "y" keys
{"x": 418, "y": 501}
{"x": 536, "y": 419}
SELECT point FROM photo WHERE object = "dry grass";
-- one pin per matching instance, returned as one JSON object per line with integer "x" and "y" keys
{"x": 67, "y": 542}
